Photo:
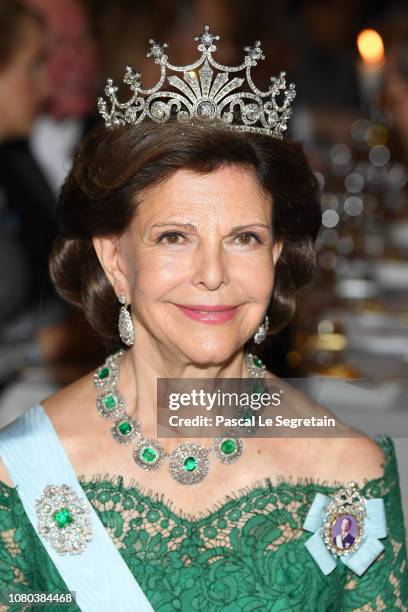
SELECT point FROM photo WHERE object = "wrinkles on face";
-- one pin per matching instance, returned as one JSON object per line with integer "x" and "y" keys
{"x": 201, "y": 239}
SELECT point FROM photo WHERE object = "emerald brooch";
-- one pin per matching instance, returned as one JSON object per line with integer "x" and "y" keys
{"x": 64, "y": 520}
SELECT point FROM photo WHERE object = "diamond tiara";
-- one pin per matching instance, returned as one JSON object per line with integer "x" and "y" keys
{"x": 202, "y": 93}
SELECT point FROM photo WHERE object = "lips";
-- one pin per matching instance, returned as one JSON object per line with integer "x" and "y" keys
{"x": 207, "y": 308}
{"x": 209, "y": 314}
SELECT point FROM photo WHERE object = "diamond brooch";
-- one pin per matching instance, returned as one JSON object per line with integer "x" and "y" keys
{"x": 64, "y": 520}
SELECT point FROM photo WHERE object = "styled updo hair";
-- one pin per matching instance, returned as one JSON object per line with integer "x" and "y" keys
{"x": 112, "y": 168}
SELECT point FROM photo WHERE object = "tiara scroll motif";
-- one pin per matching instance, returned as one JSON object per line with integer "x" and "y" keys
{"x": 206, "y": 95}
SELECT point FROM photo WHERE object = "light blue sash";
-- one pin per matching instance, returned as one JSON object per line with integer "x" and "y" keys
{"x": 34, "y": 458}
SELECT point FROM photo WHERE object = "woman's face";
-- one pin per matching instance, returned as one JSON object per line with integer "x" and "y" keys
{"x": 21, "y": 83}
{"x": 201, "y": 240}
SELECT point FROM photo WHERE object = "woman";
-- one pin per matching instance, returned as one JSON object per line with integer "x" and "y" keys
{"x": 178, "y": 219}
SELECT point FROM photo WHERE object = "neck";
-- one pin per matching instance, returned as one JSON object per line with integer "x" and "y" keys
{"x": 138, "y": 374}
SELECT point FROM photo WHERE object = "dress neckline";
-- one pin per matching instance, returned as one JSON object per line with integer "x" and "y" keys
{"x": 292, "y": 485}
{"x": 262, "y": 486}
{"x": 259, "y": 486}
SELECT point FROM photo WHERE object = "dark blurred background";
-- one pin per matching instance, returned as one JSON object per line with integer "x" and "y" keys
{"x": 349, "y": 61}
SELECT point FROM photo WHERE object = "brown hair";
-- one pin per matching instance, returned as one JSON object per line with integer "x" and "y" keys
{"x": 13, "y": 14}
{"x": 113, "y": 166}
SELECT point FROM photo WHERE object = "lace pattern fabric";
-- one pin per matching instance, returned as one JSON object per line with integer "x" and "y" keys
{"x": 246, "y": 553}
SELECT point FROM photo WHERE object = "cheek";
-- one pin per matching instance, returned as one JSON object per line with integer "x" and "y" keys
{"x": 155, "y": 275}
{"x": 14, "y": 107}
{"x": 24, "y": 93}
{"x": 256, "y": 274}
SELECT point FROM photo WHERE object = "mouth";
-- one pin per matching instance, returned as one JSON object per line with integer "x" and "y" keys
{"x": 209, "y": 314}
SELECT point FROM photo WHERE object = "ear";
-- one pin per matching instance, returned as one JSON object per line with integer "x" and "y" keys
{"x": 276, "y": 250}
{"x": 108, "y": 252}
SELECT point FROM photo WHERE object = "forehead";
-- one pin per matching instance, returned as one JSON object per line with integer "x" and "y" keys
{"x": 229, "y": 189}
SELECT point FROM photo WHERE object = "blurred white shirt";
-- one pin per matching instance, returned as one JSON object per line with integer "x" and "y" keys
{"x": 53, "y": 144}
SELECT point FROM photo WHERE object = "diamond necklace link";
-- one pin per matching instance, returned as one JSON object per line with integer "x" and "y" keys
{"x": 189, "y": 462}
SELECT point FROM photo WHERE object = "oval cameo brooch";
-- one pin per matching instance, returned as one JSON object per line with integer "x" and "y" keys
{"x": 347, "y": 527}
{"x": 343, "y": 527}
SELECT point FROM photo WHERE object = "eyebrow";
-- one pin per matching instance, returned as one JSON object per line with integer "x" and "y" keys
{"x": 193, "y": 227}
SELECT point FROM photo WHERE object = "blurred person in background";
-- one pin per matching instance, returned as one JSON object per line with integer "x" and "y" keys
{"x": 28, "y": 303}
{"x": 22, "y": 55}
{"x": 27, "y": 203}
{"x": 70, "y": 82}
{"x": 34, "y": 323}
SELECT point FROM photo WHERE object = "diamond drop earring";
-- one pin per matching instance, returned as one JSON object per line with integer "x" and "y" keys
{"x": 262, "y": 331}
{"x": 125, "y": 325}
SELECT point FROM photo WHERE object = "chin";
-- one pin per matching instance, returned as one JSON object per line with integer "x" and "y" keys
{"x": 211, "y": 353}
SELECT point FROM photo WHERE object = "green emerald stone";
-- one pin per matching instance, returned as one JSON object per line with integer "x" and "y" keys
{"x": 110, "y": 402}
{"x": 63, "y": 517}
{"x": 248, "y": 415}
{"x": 149, "y": 454}
{"x": 229, "y": 446}
{"x": 258, "y": 362}
{"x": 125, "y": 428}
{"x": 104, "y": 373}
{"x": 258, "y": 387}
{"x": 190, "y": 464}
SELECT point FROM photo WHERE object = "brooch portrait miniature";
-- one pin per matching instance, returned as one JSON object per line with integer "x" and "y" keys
{"x": 345, "y": 526}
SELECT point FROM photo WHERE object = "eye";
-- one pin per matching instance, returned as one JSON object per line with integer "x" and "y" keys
{"x": 251, "y": 235}
{"x": 167, "y": 235}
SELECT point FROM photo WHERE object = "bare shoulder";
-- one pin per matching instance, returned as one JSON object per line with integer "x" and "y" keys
{"x": 64, "y": 409}
{"x": 357, "y": 458}
{"x": 347, "y": 454}
{"x": 4, "y": 476}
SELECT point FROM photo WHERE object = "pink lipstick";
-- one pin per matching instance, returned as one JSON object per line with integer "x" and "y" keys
{"x": 213, "y": 315}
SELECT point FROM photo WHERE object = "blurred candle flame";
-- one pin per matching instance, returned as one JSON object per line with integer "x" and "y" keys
{"x": 370, "y": 46}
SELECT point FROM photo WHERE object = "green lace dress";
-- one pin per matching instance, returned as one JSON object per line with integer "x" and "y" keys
{"x": 245, "y": 554}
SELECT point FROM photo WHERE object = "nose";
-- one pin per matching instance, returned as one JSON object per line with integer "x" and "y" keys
{"x": 210, "y": 264}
